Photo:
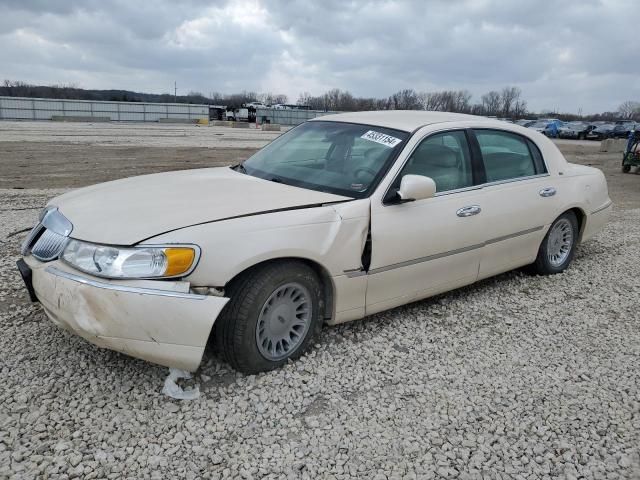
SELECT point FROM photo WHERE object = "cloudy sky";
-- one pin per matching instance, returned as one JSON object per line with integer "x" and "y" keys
{"x": 566, "y": 55}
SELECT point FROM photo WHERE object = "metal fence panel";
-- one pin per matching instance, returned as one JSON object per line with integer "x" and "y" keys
{"x": 132, "y": 107}
{"x": 47, "y": 105}
{"x": 19, "y": 108}
{"x": 17, "y": 114}
{"x": 81, "y": 107}
{"x": 47, "y": 114}
{"x": 132, "y": 116}
{"x": 178, "y": 109}
{"x": 154, "y": 117}
{"x": 105, "y": 107}
{"x": 156, "y": 108}
{"x": 288, "y": 116}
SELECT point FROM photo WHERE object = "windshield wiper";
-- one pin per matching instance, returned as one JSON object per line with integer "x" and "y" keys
{"x": 240, "y": 168}
{"x": 275, "y": 179}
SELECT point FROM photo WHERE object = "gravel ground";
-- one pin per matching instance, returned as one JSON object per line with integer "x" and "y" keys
{"x": 514, "y": 377}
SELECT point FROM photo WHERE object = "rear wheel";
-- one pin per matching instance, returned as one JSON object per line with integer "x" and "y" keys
{"x": 558, "y": 247}
{"x": 274, "y": 312}
{"x": 626, "y": 168}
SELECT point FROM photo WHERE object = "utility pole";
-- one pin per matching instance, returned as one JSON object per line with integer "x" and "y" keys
{"x": 175, "y": 92}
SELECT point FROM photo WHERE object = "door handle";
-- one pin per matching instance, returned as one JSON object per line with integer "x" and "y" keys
{"x": 468, "y": 211}
{"x": 547, "y": 192}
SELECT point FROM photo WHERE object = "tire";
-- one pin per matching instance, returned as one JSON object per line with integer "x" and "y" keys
{"x": 626, "y": 168}
{"x": 552, "y": 257}
{"x": 270, "y": 296}
{"x": 581, "y": 136}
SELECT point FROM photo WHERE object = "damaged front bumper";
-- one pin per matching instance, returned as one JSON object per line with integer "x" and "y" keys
{"x": 158, "y": 321}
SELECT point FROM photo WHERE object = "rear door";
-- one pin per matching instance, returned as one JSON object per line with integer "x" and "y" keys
{"x": 518, "y": 200}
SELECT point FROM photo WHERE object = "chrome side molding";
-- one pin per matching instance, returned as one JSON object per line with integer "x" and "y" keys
{"x": 121, "y": 288}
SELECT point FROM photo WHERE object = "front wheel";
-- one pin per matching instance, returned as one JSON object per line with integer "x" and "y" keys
{"x": 274, "y": 313}
{"x": 558, "y": 247}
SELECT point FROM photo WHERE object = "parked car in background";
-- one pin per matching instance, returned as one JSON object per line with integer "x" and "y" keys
{"x": 600, "y": 132}
{"x": 577, "y": 130}
{"x": 621, "y": 130}
{"x": 525, "y": 122}
{"x": 539, "y": 126}
{"x": 548, "y": 127}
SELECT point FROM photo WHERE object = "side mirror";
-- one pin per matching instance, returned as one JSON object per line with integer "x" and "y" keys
{"x": 416, "y": 187}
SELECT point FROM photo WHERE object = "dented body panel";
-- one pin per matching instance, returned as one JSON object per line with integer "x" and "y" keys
{"x": 157, "y": 321}
{"x": 332, "y": 237}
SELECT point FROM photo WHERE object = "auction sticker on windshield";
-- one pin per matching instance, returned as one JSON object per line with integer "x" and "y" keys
{"x": 381, "y": 138}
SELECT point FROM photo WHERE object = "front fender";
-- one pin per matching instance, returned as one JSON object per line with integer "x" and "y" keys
{"x": 324, "y": 235}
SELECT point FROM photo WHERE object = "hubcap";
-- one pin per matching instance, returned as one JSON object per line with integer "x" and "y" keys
{"x": 560, "y": 242}
{"x": 284, "y": 321}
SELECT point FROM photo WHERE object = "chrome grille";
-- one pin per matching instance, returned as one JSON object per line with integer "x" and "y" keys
{"x": 33, "y": 234}
{"x": 49, "y": 237}
{"x": 48, "y": 246}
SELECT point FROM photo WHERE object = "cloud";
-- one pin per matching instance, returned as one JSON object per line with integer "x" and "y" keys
{"x": 566, "y": 55}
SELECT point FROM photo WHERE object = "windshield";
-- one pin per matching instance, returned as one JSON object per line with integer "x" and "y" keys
{"x": 342, "y": 158}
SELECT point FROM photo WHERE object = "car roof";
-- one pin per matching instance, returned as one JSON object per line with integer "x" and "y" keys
{"x": 407, "y": 120}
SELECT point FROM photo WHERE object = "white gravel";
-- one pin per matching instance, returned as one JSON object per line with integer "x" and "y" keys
{"x": 516, "y": 377}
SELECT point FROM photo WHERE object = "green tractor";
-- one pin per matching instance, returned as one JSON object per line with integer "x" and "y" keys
{"x": 631, "y": 155}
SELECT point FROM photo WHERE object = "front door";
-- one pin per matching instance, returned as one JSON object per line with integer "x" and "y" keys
{"x": 432, "y": 245}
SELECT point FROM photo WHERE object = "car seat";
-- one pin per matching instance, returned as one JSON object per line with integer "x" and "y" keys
{"x": 443, "y": 164}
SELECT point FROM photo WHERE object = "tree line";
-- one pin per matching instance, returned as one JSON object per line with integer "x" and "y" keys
{"x": 505, "y": 103}
{"x": 71, "y": 91}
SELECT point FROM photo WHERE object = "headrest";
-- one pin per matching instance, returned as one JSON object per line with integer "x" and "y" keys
{"x": 436, "y": 155}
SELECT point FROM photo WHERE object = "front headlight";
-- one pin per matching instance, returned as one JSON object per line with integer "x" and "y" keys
{"x": 137, "y": 262}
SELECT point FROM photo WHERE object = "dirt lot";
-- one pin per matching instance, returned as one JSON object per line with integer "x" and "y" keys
{"x": 514, "y": 377}
{"x": 69, "y": 155}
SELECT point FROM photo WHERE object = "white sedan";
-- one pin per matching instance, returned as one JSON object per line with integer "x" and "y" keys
{"x": 342, "y": 217}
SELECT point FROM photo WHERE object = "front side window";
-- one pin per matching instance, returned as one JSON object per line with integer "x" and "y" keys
{"x": 342, "y": 158}
{"x": 507, "y": 155}
{"x": 444, "y": 157}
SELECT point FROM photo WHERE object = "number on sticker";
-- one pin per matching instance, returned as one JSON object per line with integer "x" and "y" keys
{"x": 381, "y": 138}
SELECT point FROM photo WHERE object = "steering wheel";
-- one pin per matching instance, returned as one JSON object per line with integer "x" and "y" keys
{"x": 368, "y": 170}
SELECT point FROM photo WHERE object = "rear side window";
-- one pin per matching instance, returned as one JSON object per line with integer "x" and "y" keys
{"x": 507, "y": 155}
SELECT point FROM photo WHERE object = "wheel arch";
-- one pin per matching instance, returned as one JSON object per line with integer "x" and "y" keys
{"x": 328, "y": 285}
{"x": 581, "y": 216}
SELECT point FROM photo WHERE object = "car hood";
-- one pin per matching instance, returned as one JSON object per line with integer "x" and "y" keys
{"x": 125, "y": 212}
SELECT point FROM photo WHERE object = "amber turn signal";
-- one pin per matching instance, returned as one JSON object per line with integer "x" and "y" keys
{"x": 179, "y": 260}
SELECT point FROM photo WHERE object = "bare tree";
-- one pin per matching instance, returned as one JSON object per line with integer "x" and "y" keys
{"x": 304, "y": 98}
{"x": 491, "y": 103}
{"x": 629, "y": 109}
{"x": 509, "y": 97}
{"x": 446, "y": 101}
{"x": 520, "y": 109}
{"x": 405, "y": 100}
